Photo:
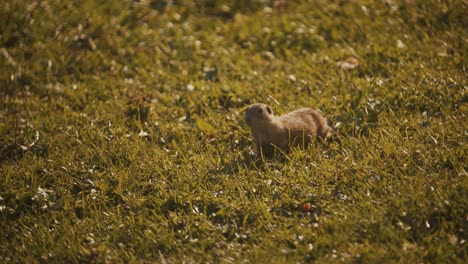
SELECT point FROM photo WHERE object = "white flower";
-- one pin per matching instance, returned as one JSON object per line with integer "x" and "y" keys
{"x": 43, "y": 192}
{"x": 143, "y": 134}
{"x": 190, "y": 87}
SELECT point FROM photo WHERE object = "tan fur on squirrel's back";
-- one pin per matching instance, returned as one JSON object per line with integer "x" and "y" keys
{"x": 297, "y": 128}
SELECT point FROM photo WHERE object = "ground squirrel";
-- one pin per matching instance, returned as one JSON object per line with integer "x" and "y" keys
{"x": 294, "y": 129}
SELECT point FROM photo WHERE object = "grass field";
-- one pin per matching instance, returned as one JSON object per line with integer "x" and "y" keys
{"x": 122, "y": 136}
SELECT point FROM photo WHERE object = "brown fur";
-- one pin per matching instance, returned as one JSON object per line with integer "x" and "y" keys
{"x": 297, "y": 128}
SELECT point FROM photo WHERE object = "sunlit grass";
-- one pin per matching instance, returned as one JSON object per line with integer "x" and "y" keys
{"x": 122, "y": 132}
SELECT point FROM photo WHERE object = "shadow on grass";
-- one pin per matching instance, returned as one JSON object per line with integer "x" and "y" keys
{"x": 15, "y": 152}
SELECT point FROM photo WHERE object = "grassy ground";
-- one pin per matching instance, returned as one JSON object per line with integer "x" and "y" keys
{"x": 122, "y": 135}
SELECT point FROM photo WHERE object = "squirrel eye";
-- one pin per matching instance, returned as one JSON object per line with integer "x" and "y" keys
{"x": 260, "y": 111}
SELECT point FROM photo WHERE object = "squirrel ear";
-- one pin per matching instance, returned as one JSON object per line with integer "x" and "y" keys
{"x": 269, "y": 110}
